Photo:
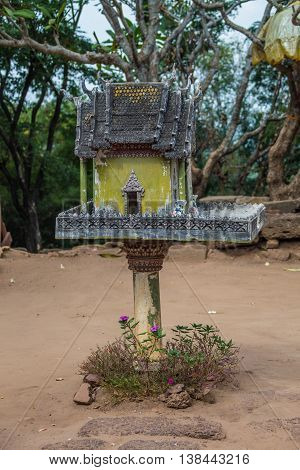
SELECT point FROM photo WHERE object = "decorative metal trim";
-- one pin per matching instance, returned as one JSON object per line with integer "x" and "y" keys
{"x": 218, "y": 222}
{"x": 139, "y": 121}
{"x": 162, "y": 110}
{"x": 176, "y": 119}
{"x": 188, "y": 136}
{"x": 146, "y": 256}
{"x": 108, "y": 111}
{"x": 133, "y": 186}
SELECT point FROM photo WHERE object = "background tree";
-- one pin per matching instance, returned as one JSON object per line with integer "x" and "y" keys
{"x": 30, "y": 107}
{"x": 243, "y": 109}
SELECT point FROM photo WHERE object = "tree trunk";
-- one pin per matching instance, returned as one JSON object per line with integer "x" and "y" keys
{"x": 278, "y": 189}
{"x": 32, "y": 228}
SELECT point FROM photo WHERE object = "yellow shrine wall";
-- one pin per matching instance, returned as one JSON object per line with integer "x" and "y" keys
{"x": 152, "y": 172}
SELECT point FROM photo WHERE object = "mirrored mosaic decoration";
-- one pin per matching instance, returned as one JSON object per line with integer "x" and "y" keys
{"x": 141, "y": 137}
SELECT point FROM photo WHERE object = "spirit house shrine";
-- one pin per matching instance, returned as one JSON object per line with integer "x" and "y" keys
{"x": 140, "y": 137}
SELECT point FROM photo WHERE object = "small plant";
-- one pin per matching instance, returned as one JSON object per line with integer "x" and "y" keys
{"x": 136, "y": 365}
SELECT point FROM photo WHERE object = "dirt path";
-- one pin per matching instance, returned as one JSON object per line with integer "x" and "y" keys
{"x": 51, "y": 316}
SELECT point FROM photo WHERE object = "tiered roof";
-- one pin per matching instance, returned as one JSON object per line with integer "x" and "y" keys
{"x": 137, "y": 118}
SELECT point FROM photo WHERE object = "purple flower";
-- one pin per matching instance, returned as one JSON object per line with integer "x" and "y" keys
{"x": 154, "y": 329}
{"x": 171, "y": 381}
{"x": 123, "y": 319}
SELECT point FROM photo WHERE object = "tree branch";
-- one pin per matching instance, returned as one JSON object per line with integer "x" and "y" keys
{"x": 179, "y": 29}
{"x": 220, "y": 6}
{"x": 121, "y": 39}
{"x": 140, "y": 17}
{"x": 69, "y": 55}
{"x": 152, "y": 27}
{"x": 275, "y": 4}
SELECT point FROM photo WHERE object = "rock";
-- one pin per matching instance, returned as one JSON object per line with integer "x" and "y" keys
{"x": 92, "y": 379}
{"x": 178, "y": 388}
{"x": 84, "y": 396}
{"x": 209, "y": 398}
{"x": 219, "y": 198}
{"x": 68, "y": 253}
{"x": 198, "y": 428}
{"x": 290, "y": 205}
{"x": 52, "y": 254}
{"x": 76, "y": 444}
{"x": 272, "y": 244}
{"x": 113, "y": 245}
{"x": 159, "y": 445}
{"x": 203, "y": 393}
{"x": 252, "y": 199}
{"x": 162, "y": 398}
{"x": 278, "y": 255}
{"x": 179, "y": 400}
{"x": 86, "y": 249}
{"x": 281, "y": 226}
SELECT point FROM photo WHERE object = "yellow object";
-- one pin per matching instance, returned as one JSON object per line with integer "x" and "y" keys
{"x": 152, "y": 172}
{"x": 282, "y": 38}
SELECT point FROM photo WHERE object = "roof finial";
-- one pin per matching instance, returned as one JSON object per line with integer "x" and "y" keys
{"x": 76, "y": 99}
{"x": 85, "y": 89}
{"x": 172, "y": 78}
{"x": 100, "y": 81}
{"x": 186, "y": 89}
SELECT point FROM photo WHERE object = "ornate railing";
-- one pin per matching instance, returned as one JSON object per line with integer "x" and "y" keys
{"x": 212, "y": 221}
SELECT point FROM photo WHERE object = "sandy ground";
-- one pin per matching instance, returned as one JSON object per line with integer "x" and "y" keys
{"x": 51, "y": 318}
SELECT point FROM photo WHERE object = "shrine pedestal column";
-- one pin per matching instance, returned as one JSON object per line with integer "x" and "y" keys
{"x": 145, "y": 259}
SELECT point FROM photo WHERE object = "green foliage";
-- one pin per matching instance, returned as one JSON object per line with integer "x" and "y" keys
{"x": 58, "y": 188}
{"x": 196, "y": 356}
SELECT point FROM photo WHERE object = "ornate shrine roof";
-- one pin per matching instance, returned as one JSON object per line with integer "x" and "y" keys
{"x": 143, "y": 118}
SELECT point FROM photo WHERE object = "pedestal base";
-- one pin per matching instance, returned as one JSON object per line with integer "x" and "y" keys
{"x": 145, "y": 259}
{"x": 146, "y": 300}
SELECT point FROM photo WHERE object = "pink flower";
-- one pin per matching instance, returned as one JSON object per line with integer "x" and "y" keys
{"x": 123, "y": 319}
{"x": 171, "y": 381}
{"x": 154, "y": 329}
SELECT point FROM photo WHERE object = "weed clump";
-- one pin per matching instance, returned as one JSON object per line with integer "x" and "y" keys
{"x": 136, "y": 365}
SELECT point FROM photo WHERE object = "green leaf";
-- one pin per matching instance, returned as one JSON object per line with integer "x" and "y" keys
{"x": 44, "y": 10}
{"x": 24, "y": 14}
{"x": 62, "y": 9}
{"x": 8, "y": 11}
{"x": 110, "y": 33}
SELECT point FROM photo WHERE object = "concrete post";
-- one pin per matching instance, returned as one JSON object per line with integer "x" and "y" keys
{"x": 83, "y": 182}
{"x": 145, "y": 259}
{"x": 146, "y": 300}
